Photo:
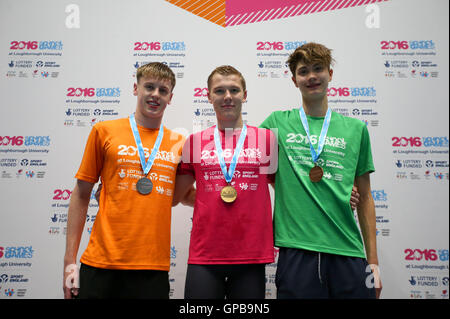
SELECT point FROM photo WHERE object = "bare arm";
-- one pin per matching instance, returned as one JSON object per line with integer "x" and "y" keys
{"x": 184, "y": 190}
{"x": 79, "y": 203}
{"x": 367, "y": 221}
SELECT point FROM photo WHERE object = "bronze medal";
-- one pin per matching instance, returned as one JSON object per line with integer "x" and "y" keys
{"x": 315, "y": 174}
{"x": 144, "y": 186}
{"x": 228, "y": 194}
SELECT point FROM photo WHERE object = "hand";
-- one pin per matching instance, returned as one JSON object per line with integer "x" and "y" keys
{"x": 354, "y": 198}
{"x": 97, "y": 193}
{"x": 376, "y": 280}
{"x": 71, "y": 284}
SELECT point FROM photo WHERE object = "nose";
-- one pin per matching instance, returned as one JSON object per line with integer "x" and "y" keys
{"x": 311, "y": 75}
{"x": 228, "y": 95}
{"x": 156, "y": 93}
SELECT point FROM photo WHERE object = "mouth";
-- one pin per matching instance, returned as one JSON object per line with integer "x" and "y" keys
{"x": 153, "y": 104}
{"x": 227, "y": 106}
{"x": 313, "y": 85}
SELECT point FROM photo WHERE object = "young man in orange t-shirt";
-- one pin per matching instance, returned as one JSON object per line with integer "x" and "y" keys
{"x": 136, "y": 158}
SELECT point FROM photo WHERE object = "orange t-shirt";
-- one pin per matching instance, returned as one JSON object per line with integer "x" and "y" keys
{"x": 131, "y": 231}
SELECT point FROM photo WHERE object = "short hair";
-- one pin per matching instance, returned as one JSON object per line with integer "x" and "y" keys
{"x": 157, "y": 70}
{"x": 226, "y": 70}
{"x": 310, "y": 53}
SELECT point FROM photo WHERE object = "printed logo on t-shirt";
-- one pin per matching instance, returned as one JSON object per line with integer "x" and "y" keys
{"x": 250, "y": 153}
{"x": 338, "y": 142}
{"x": 125, "y": 150}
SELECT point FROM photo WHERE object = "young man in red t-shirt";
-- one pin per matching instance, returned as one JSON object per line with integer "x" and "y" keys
{"x": 232, "y": 165}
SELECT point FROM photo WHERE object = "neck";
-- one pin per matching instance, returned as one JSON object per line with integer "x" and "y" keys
{"x": 234, "y": 124}
{"x": 316, "y": 108}
{"x": 152, "y": 123}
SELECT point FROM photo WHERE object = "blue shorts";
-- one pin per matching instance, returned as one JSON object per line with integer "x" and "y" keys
{"x": 314, "y": 275}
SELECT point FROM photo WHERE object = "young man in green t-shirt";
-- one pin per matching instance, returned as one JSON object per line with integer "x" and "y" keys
{"x": 321, "y": 250}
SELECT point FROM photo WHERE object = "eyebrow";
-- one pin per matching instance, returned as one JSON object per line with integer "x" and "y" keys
{"x": 154, "y": 84}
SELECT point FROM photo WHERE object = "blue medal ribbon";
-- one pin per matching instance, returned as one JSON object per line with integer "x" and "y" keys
{"x": 146, "y": 166}
{"x": 228, "y": 174}
{"x": 323, "y": 134}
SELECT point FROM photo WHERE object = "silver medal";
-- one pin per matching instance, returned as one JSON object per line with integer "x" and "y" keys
{"x": 144, "y": 186}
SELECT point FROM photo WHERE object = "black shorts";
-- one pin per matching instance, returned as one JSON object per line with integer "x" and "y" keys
{"x": 309, "y": 274}
{"x": 97, "y": 283}
{"x": 243, "y": 281}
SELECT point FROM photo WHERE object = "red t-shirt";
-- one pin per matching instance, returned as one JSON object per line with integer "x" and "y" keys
{"x": 239, "y": 232}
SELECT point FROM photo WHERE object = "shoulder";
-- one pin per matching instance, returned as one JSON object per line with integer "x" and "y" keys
{"x": 174, "y": 136}
{"x": 347, "y": 122}
{"x": 259, "y": 131}
{"x": 279, "y": 117}
{"x": 111, "y": 124}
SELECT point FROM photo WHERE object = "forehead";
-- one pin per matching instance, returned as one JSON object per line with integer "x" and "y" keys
{"x": 226, "y": 80}
{"x": 149, "y": 79}
{"x": 303, "y": 64}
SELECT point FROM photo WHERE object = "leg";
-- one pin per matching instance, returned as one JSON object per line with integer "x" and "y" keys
{"x": 97, "y": 283}
{"x": 347, "y": 277}
{"x": 247, "y": 281}
{"x": 144, "y": 284}
{"x": 204, "y": 282}
{"x": 298, "y": 275}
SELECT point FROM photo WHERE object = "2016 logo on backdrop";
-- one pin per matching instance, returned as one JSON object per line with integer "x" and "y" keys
{"x": 278, "y": 45}
{"x": 429, "y": 141}
{"x": 19, "y": 252}
{"x": 351, "y": 91}
{"x": 36, "y": 45}
{"x": 62, "y": 194}
{"x": 157, "y": 46}
{"x": 25, "y": 140}
{"x": 90, "y": 92}
{"x": 426, "y": 254}
{"x": 405, "y": 45}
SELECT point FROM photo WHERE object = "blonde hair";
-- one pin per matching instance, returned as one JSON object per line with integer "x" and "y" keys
{"x": 157, "y": 70}
{"x": 226, "y": 70}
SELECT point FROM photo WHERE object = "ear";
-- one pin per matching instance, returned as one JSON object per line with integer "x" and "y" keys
{"x": 331, "y": 74}
{"x": 295, "y": 82}
{"x": 245, "y": 96}
{"x": 135, "y": 89}
{"x": 170, "y": 98}
{"x": 209, "y": 97}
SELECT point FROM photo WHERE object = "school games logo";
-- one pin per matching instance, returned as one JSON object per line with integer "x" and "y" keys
{"x": 249, "y": 153}
{"x": 338, "y": 142}
{"x": 126, "y": 150}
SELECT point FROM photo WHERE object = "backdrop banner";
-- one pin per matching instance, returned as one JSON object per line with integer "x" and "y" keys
{"x": 67, "y": 65}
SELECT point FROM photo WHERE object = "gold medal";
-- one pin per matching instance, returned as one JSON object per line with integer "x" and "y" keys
{"x": 228, "y": 194}
{"x": 315, "y": 174}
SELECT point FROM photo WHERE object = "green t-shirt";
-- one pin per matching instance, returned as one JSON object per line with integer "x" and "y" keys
{"x": 318, "y": 216}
